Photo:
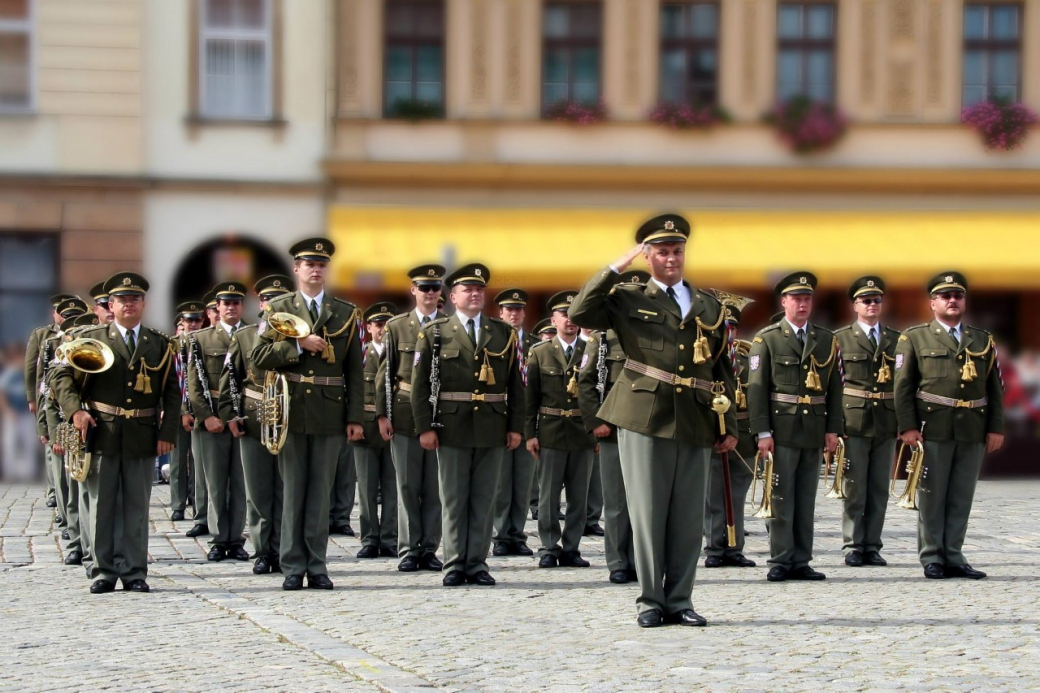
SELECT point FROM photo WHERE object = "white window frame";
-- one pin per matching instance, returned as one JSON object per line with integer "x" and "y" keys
{"x": 264, "y": 34}
{"x": 24, "y": 26}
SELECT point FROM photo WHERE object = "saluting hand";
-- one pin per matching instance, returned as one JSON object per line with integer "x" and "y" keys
{"x": 625, "y": 261}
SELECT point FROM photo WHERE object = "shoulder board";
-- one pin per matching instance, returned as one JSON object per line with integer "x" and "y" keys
{"x": 397, "y": 318}
{"x": 980, "y": 329}
{"x": 769, "y": 328}
{"x": 438, "y": 321}
{"x": 922, "y": 326}
{"x": 708, "y": 297}
{"x": 344, "y": 302}
{"x": 500, "y": 320}
{"x": 94, "y": 328}
{"x": 283, "y": 299}
{"x": 847, "y": 328}
{"x": 541, "y": 344}
{"x": 825, "y": 331}
{"x": 892, "y": 331}
{"x": 157, "y": 332}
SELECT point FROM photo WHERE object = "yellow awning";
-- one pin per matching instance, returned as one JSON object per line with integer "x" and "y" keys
{"x": 543, "y": 249}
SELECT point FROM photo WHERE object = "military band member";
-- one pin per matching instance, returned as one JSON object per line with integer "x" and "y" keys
{"x": 241, "y": 391}
{"x": 514, "y": 485}
{"x": 545, "y": 329}
{"x": 794, "y": 395}
{"x": 950, "y": 397}
{"x": 419, "y": 521}
{"x": 375, "y": 465}
{"x": 212, "y": 312}
{"x": 718, "y": 552}
{"x": 101, "y": 310}
{"x": 190, "y": 315}
{"x": 134, "y": 406}
{"x": 868, "y": 354}
{"x": 343, "y": 492}
{"x": 594, "y": 504}
{"x": 556, "y": 435}
{"x": 327, "y": 399}
{"x": 218, "y": 451}
{"x": 467, "y": 364}
{"x": 674, "y": 339}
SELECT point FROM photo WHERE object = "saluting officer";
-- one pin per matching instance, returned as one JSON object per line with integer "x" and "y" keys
{"x": 418, "y": 498}
{"x": 190, "y": 315}
{"x": 241, "y": 391}
{"x": 326, "y": 400}
{"x": 375, "y": 466}
{"x": 718, "y": 552}
{"x": 220, "y": 455}
{"x": 868, "y": 353}
{"x": 467, "y": 364}
{"x": 794, "y": 395}
{"x": 514, "y": 484}
{"x": 948, "y": 378}
{"x": 674, "y": 339}
{"x": 134, "y": 406}
{"x": 556, "y": 434}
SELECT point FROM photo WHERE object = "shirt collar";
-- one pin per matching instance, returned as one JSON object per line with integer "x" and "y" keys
{"x": 958, "y": 327}
{"x": 867, "y": 328}
{"x": 420, "y": 316}
{"x": 464, "y": 320}
{"x": 794, "y": 327}
{"x": 320, "y": 298}
{"x": 677, "y": 287}
{"x": 122, "y": 331}
{"x": 227, "y": 328}
{"x": 378, "y": 347}
{"x": 565, "y": 344}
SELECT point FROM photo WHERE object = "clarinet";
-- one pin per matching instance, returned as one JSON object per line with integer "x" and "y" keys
{"x": 601, "y": 367}
{"x": 389, "y": 385}
{"x": 44, "y": 367}
{"x": 435, "y": 376}
{"x": 236, "y": 393}
{"x": 200, "y": 369}
{"x": 185, "y": 361}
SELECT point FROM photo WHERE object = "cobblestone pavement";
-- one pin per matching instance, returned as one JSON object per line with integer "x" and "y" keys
{"x": 211, "y": 626}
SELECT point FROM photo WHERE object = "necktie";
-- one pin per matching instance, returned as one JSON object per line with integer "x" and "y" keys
{"x": 671, "y": 295}
{"x": 425, "y": 320}
{"x": 568, "y": 353}
{"x": 233, "y": 328}
{"x": 131, "y": 343}
{"x": 314, "y": 312}
{"x": 953, "y": 336}
{"x": 471, "y": 331}
{"x": 801, "y": 337}
{"x": 872, "y": 339}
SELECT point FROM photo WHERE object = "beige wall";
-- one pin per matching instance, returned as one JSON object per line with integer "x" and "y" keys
{"x": 88, "y": 92}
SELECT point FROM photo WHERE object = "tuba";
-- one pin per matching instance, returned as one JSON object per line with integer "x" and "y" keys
{"x": 770, "y": 479}
{"x": 86, "y": 355}
{"x": 841, "y": 467}
{"x": 915, "y": 474}
{"x": 288, "y": 326}
{"x": 273, "y": 412}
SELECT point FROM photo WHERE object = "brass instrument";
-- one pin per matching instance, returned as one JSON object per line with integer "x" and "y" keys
{"x": 915, "y": 471}
{"x": 841, "y": 467}
{"x": 288, "y": 326}
{"x": 273, "y": 412}
{"x": 770, "y": 479}
{"x": 86, "y": 355}
{"x": 77, "y": 459}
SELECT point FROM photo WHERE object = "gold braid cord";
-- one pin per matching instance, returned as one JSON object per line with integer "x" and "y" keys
{"x": 812, "y": 379}
{"x": 144, "y": 383}
{"x": 968, "y": 371}
{"x": 329, "y": 354}
{"x": 487, "y": 374}
{"x": 701, "y": 350}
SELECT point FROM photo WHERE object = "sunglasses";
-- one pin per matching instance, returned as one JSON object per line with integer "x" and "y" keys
{"x": 428, "y": 288}
{"x": 870, "y": 301}
{"x": 951, "y": 295}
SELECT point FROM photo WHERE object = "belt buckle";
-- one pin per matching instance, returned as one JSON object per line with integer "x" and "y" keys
{"x": 307, "y": 379}
{"x": 565, "y": 413}
{"x": 478, "y": 398}
{"x": 803, "y": 399}
{"x": 685, "y": 382}
{"x": 963, "y": 404}
{"x": 126, "y": 413}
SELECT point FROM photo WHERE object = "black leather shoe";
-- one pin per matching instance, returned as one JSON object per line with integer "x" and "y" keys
{"x": 560, "y": 515}
{"x": 262, "y": 566}
{"x": 345, "y": 530}
{"x": 854, "y": 559}
{"x": 74, "y": 557}
{"x": 935, "y": 571}
{"x": 52, "y": 502}
{"x": 197, "y": 531}
{"x": 964, "y": 571}
{"x": 275, "y": 563}
{"x": 292, "y": 582}
{"x": 523, "y": 550}
{"x": 217, "y": 553}
{"x": 651, "y": 618}
{"x": 238, "y": 553}
{"x": 594, "y": 530}
{"x": 177, "y": 516}
{"x": 408, "y": 564}
{"x": 777, "y": 573}
{"x": 713, "y": 562}
{"x": 102, "y": 586}
{"x": 137, "y": 585}
{"x": 319, "y": 582}
{"x": 687, "y": 617}
{"x": 429, "y": 561}
{"x": 738, "y": 560}
{"x": 806, "y": 573}
{"x": 388, "y": 551}
{"x": 873, "y": 558}
{"x": 548, "y": 561}
{"x": 619, "y": 577}
{"x": 368, "y": 551}
{"x": 455, "y": 578}
{"x": 501, "y": 549}
{"x": 481, "y": 579}
{"x": 534, "y": 514}
{"x": 632, "y": 577}
{"x": 65, "y": 534}
{"x": 573, "y": 559}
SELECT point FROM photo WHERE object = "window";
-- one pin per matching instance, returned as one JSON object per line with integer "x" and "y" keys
{"x": 16, "y": 55}
{"x": 805, "y": 51}
{"x": 689, "y": 52}
{"x": 414, "y": 60}
{"x": 571, "y": 38}
{"x": 28, "y": 277}
{"x": 992, "y": 51}
{"x": 235, "y": 59}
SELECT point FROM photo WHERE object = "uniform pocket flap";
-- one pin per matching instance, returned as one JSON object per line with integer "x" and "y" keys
{"x": 786, "y": 360}
{"x": 854, "y": 357}
{"x": 216, "y": 352}
{"x": 449, "y": 353}
{"x": 406, "y": 346}
{"x": 645, "y": 383}
{"x": 932, "y": 353}
{"x": 552, "y": 370}
{"x": 647, "y": 315}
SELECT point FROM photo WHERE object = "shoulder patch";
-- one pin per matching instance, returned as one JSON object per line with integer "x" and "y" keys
{"x": 903, "y": 338}
{"x": 758, "y": 340}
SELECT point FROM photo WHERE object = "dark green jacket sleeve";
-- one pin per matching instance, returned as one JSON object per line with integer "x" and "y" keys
{"x": 588, "y": 378}
{"x": 532, "y": 397}
{"x": 593, "y": 305}
{"x": 906, "y": 383}
{"x": 422, "y": 410}
{"x": 758, "y": 389}
{"x": 995, "y": 394}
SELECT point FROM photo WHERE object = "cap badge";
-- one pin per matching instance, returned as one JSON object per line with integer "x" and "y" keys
{"x": 803, "y": 280}
{"x": 477, "y": 272}
{"x": 319, "y": 246}
{"x": 127, "y": 281}
{"x": 277, "y": 282}
{"x": 231, "y": 287}
{"x": 949, "y": 277}
{"x": 870, "y": 282}
{"x": 431, "y": 273}
{"x": 570, "y": 298}
{"x": 669, "y": 225}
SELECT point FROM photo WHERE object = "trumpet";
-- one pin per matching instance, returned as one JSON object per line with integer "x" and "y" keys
{"x": 273, "y": 412}
{"x": 841, "y": 467}
{"x": 288, "y": 326}
{"x": 770, "y": 480}
{"x": 915, "y": 474}
{"x": 86, "y": 355}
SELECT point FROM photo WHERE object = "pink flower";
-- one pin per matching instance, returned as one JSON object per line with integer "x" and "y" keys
{"x": 1001, "y": 125}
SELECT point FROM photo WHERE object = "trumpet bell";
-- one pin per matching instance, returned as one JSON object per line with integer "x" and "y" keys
{"x": 288, "y": 325}
{"x": 88, "y": 355}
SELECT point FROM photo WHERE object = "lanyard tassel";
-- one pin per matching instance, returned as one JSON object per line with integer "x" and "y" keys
{"x": 884, "y": 374}
{"x": 968, "y": 372}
